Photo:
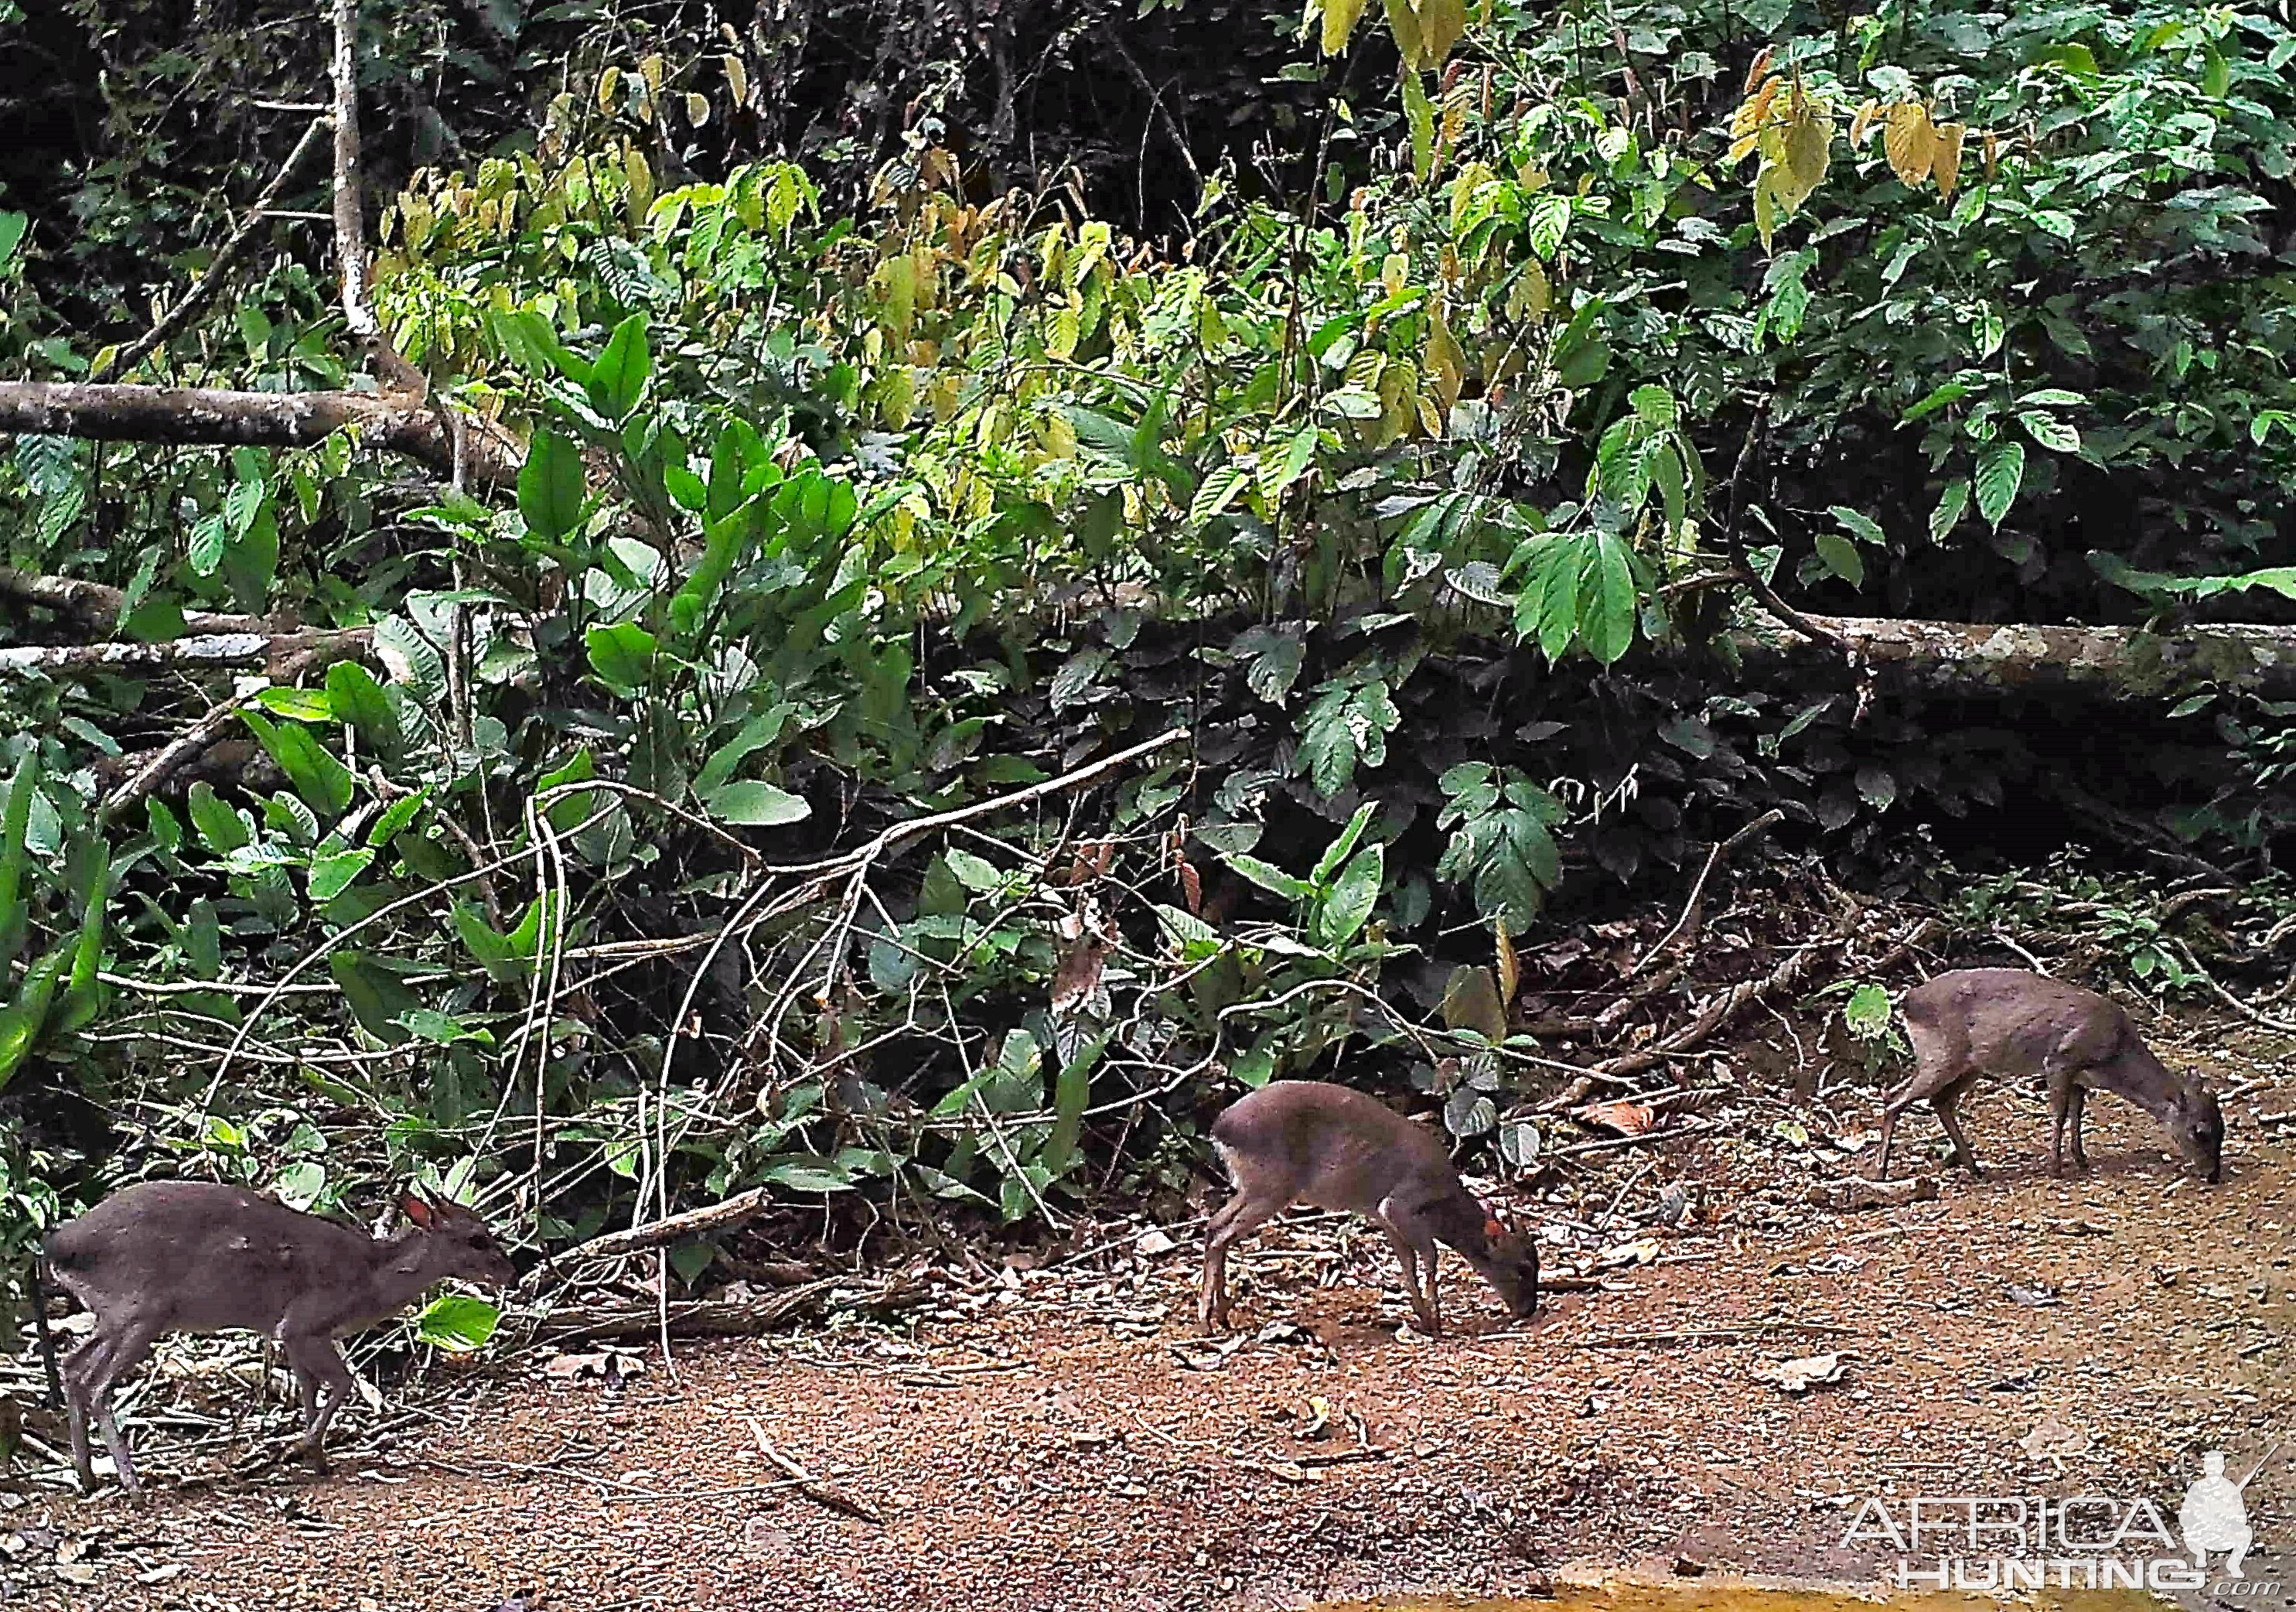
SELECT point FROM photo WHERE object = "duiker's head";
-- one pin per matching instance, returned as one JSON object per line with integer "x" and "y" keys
{"x": 465, "y": 1246}
{"x": 1510, "y": 1263}
{"x": 2195, "y": 1124}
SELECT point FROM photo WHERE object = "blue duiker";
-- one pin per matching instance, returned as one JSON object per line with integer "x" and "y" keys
{"x": 1311, "y": 1142}
{"x": 2009, "y": 1023}
{"x": 194, "y": 1256}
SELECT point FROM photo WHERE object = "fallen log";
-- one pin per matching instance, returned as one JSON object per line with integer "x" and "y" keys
{"x": 1980, "y": 658}
{"x": 208, "y": 417}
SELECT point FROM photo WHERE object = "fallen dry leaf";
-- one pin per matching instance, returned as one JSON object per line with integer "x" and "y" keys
{"x": 2053, "y": 1440}
{"x": 1628, "y": 1119}
{"x": 1805, "y": 1373}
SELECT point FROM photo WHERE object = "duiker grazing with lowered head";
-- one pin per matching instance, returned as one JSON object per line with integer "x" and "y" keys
{"x": 1311, "y": 1142}
{"x": 192, "y": 1256}
{"x": 2009, "y": 1023}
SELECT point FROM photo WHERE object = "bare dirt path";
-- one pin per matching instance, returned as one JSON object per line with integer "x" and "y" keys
{"x": 1064, "y": 1442}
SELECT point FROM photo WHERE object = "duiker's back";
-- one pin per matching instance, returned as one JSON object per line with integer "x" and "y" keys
{"x": 2014, "y": 1020}
{"x": 216, "y": 1258}
{"x": 1334, "y": 1147}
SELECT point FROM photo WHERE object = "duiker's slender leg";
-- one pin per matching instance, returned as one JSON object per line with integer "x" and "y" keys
{"x": 1946, "y": 1103}
{"x": 129, "y": 1345}
{"x": 1244, "y": 1215}
{"x": 75, "y": 1368}
{"x": 1940, "y": 1059}
{"x": 2079, "y": 1100}
{"x": 2061, "y": 1112}
{"x": 318, "y": 1359}
{"x": 1407, "y": 1256}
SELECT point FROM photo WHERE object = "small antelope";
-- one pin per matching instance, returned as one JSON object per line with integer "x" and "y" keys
{"x": 1308, "y": 1141}
{"x": 2006, "y": 1022}
{"x": 192, "y": 1256}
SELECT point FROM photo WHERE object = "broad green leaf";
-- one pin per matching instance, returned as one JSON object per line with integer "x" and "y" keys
{"x": 376, "y": 998}
{"x": 297, "y": 705}
{"x": 622, "y": 655}
{"x": 221, "y": 828}
{"x": 26, "y": 1015}
{"x": 755, "y": 734}
{"x": 15, "y": 852}
{"x": 1606, "y": 620}
{"x": 550, "y": 486}
{"x": 331, "y": 874}
{"x": 12, "y": 225}
{"x": 619, "y": 374}
{"x": 1840, "y": 555}
{"x": 457, "y": 1323}
{"x": 2000, "y": 472}
{"x": 754, "y": 804}
{"x": 1951, "y": 505}
{"x": 355, "y": 698}
{"x": 1338, "y": 850}
{"x": 1866, "y": 1013}
{"x": 1865, "y": 528}
{"x": 1217, "y": 491}
{"x": 2058, "y": 436}
{"x": 1341, "y": 915}
{"x": 324, "y": 784}
{"x": 396, "y": 818}
{"x": 1270, "y": 877}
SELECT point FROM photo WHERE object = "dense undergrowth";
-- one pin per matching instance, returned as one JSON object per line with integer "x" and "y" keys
{"x": 646, "y": 843}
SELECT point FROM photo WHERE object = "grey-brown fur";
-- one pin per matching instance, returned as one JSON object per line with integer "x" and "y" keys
{"x": 194, "y": 1256}
{"x": 2009, "y": 1023}
{"x": 1311, "y": 1142}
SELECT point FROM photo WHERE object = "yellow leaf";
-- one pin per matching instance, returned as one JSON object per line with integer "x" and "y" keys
{"x": 1531, "y": 295}
{"x": 1445, "y": 364}
{"x": 897, "y": 398}
{"x": 640, "y": 181}
{"x": 1766, "y": 211}
{"x": 609, "y": 84}
{"x": 1946, "y": 169}
{"x": 1465, "y": 187}
{"x": 1809, "y": 144}
{"x": 1758, "y": 70}
{"x": 1863, "y": 121}
{"x": 1440, "y": 24}
{"x": 652, "y": 69}
{"x": 1910, "y": 141}
{"x": 1060, "y": 339}
{"x": 1992, "y": 153}
{"x": 697, "y": 108}
{"x": 737, "y": 80}
{"x": 1754, "y": 110}
{"x": 1060, "y": 437}
{"x": 1510, "y": 966}
{"x": 1395, "y": 273}
{"x": 1340, "y": 19}
{"x": 1741, "y": 148}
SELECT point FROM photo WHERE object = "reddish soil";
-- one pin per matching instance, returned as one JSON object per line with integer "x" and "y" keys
{"x": 1061, "y": 1440}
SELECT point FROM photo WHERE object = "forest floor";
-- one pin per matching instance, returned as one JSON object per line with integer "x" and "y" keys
{"x": 1061, "y": 1439}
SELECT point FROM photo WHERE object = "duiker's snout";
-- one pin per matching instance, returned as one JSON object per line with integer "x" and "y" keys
{"x": 2199, "y": 1129}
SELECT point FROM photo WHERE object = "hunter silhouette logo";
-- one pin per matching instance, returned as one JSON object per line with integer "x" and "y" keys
{"x": 2214, "y": 1516}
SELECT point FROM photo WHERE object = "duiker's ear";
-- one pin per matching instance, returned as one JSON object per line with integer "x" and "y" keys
{"x": 418, "y": 1209}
